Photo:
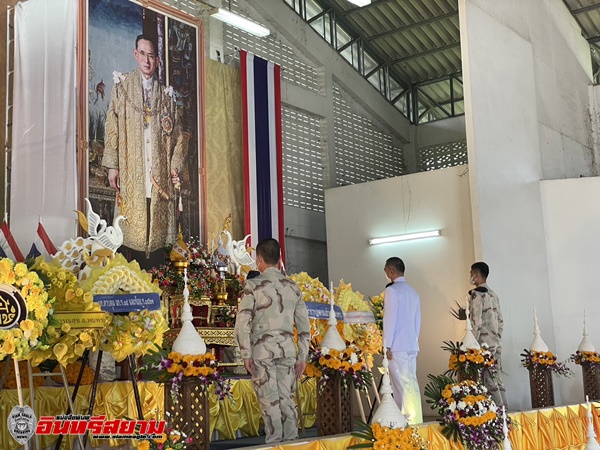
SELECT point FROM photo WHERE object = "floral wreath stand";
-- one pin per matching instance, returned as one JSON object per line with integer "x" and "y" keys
{"x": 131, "y": 362}
{"x": 591, "y": 381}
{"x": 541, "y": 387}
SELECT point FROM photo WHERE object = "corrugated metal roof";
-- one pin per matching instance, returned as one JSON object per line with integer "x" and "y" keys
{"x": 420, "y": 39}
{"x": 587, "y": 14}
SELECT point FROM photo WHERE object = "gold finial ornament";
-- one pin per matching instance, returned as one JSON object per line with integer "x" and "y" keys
{"x": 180, "y": 253}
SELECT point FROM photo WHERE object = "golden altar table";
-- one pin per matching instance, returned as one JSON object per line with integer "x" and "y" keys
{"x": 116, "y": 400}
{"x": 560, "y": 428}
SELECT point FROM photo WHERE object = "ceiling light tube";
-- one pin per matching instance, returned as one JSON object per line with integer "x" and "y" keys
{"x": 360, "y": 2}
{"x": 240, "y": 22}
{"x": 404, "y": 237}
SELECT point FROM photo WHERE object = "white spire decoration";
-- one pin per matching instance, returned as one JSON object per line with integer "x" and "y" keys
{"x": 506, "y": 442}
{"x": 592, "y": 443}
{"x": 585, "y": 345}
{"x": 538, "y": 344}
{"x": 469, "y": 340}
{"x": 188, "y": 342}
{"x": 332, "y": 338}
{"x": 388, "y": 414}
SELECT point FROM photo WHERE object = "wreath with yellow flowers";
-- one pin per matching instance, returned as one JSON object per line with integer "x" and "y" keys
{"x": 31, "y": 332}
{"x": 65, "y": 344}
{"x": 137, "y": 332}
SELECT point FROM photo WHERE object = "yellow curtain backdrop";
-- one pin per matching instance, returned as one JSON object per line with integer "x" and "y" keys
{"x": 224, "y": 158}
{"x": 116, "y": 400}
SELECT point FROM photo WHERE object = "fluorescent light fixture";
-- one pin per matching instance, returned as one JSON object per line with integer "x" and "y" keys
{"x": 240, "y": 22}
{"x": 360, "y": 2}
{"x": 404, "y": 237}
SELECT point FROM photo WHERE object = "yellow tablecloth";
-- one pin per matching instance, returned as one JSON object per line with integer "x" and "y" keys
{"x": 116, "y": 400}
{"x": 561, "y": 428}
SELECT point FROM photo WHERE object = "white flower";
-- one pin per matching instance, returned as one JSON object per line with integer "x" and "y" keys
{"x": 455, "y": 389}
{"x": 493, "y": 407}
{"x": 324, "y": 351}
{"x": 353, "y": 358}
{"x": 117, "y": 77}
{"x": 483, "y": 389}
{"x": 452, "y": 407}
{"x": 461, "y": 405}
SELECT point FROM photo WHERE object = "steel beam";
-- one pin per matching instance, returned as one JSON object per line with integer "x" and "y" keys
{"x": 585, "y": 9}
{"x": 412, "y": 25}
{"x": 425, "y": 53}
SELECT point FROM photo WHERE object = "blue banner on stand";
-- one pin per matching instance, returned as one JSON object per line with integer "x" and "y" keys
{"x": 318, "y": 310}
{"x": 124, "y": 303}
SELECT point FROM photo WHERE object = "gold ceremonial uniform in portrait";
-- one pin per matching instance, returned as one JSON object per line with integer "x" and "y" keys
{"x": 124, "y": 149}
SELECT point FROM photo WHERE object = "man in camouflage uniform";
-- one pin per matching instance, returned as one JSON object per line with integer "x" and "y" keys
{"x": 264, "y": 330}
{"x": 486, "y": 319}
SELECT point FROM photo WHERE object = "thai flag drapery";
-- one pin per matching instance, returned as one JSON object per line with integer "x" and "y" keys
{"x": 263, "y": 182}
{"x": 8, "y": 246}
{"x": 42, "y": 245}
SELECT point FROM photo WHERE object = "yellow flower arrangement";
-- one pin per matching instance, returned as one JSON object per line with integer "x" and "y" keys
{"x": 11, "y": 380}
{"x": 586, "y": 358}
{"x": 349, "y": 364}
{"x": 366, "y": 336}
{"x": 166, "y": 366}
{"x": 66, "y": 344}
{"x": 72, "y": 373}
{"x": 135, "y": 333}
{"x": 384, "y": 438}
{"x": 31, "y": 333}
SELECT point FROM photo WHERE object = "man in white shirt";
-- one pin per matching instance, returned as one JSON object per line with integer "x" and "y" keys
{"x": 401, "y": 327}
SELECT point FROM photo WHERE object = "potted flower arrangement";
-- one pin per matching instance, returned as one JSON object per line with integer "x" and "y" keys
{"x": 539, "y": 362}
{"x": 581, "y": 358}
{"x": 468, "y": 414}
{"x": 349, "y": 365}
{"x": 165, "y": 366}
{"x": 470, "y": 363}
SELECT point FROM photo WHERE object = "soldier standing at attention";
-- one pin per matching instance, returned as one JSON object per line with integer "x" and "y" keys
{"x": 264, "y": 330}
{"x": 486, "y": 318}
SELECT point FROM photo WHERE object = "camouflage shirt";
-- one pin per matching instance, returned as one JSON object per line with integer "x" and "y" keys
{"x": 486, "y": 317}
{"x": 264, "y": 327}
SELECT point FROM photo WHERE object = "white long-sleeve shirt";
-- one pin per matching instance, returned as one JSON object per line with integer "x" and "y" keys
{"x": 401, "y": 317}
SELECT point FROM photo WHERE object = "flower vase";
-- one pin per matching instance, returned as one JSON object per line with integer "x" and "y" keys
{"x": 591, "y": 381}
{"x": 191, "y": 412}
{"x": 334, "y": 407}
{"x": 541, "y": 387}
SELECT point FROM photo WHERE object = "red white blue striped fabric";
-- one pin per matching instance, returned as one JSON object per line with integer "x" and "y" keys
{"x": 263, "y": 179}
{"x": 8, "y": 245}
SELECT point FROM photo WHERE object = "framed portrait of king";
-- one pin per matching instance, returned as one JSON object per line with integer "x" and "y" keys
{"x": 143, "y": 110}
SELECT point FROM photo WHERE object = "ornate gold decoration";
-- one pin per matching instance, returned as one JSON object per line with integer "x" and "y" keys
{"x": 211, "y": 336}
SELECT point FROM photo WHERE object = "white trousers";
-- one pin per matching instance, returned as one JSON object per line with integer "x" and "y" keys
{"x": 403, "y": 375}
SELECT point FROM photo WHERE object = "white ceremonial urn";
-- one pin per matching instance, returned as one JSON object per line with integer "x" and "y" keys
{"x": 538, "y": 344}
{"x": 388, "y": 414}
{"x": 188, "y": 341}
{"x": 332, "y": 338}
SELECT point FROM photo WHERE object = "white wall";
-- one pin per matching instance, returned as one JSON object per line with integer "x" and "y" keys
{"x": 572, "y": 223}
{"x": 437, "y": 268}
{"x": 525, "y": 70}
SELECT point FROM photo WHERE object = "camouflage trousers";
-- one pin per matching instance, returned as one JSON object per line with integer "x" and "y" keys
{"x": 494, "y": 385}
{"x": 275, "y": 385}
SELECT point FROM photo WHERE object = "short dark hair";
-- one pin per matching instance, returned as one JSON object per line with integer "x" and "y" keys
{"x": 395, "y": 263}
{"x": 481, "y": 268}
{"x": 269, "y": 250}
{"x": 145, "y": 38}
